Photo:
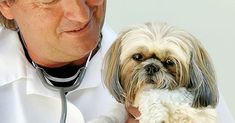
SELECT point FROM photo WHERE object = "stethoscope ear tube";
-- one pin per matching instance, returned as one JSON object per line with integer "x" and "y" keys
{"x": 41, "y": 73}
{"x": 76, "y": 84}
{"x": 78, "y": 81}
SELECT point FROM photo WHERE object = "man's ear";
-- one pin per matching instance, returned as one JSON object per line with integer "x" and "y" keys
{"x": 5, "y": 8}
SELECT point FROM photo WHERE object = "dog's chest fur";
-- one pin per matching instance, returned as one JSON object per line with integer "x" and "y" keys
{"x": 159, "y": 102}
{"x": 179, "y": 96}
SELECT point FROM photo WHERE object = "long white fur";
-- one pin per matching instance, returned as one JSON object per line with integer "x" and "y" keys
{"x": 162, "y": 106}
{"x": 171, "y": 106}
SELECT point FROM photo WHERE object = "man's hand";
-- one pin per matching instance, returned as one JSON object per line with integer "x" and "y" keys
{"x": 133, "y": 114}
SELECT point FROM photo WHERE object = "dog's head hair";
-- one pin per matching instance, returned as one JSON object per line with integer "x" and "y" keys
{"x": 160, "y": 56}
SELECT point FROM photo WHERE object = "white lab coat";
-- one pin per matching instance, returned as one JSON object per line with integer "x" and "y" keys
{"x": 23, "y": 98}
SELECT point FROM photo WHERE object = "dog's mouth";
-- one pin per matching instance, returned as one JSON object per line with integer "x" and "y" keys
{"x": 161, "y": 82}
{"x": 151, "y": 81}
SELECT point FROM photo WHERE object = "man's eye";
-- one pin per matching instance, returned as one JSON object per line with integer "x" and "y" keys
{"x": 137, "y": 57}
{"x": 48, "y": 2}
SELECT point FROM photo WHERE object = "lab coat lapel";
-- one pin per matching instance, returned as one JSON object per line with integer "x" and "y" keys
{"x": 92, "y": 77}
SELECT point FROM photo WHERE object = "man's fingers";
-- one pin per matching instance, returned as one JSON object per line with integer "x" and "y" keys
{"x": 133, "y": 111}
{"x": 131, "y": 120}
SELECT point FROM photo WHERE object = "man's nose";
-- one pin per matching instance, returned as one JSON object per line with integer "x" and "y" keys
{"x": 76, "y": 10}
{"x": 95, "y": 2}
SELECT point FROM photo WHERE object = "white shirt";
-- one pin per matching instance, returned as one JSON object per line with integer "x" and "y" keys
{"x": 23, "y": 98}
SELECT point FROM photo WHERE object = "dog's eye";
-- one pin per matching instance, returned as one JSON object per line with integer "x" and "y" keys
{"x": 137, "y": 57}
{"x": 169, "y": 62}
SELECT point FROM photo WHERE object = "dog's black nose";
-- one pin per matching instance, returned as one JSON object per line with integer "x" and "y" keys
{"x": 151, "y": 69}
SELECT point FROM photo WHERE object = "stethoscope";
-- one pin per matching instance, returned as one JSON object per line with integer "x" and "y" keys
{"x": 62, "y": 90}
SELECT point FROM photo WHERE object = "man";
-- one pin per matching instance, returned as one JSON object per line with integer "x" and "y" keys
{"x": 56, "y": 36}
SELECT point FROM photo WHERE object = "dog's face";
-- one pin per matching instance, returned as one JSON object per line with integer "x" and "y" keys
{"x": 155, "y": 55}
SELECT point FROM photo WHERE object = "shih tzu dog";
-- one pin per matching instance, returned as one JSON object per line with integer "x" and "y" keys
{"x": 165, "y": 72}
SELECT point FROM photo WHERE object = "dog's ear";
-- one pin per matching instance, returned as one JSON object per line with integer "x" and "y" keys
{"x": 111, "y": 71}
{"x": 202, "y": 78}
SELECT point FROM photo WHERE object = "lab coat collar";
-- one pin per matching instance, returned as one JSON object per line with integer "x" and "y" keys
{"x": 12, "y": 63}
{"x": 15, "y": 66}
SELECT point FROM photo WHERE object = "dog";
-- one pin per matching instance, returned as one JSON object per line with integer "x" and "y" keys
{"x": 165, "y": 72}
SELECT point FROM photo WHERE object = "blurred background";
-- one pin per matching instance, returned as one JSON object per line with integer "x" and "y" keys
{"x": 211, "y": 21}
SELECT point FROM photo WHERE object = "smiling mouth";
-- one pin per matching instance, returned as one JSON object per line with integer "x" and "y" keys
{"x": 79, "y": 28}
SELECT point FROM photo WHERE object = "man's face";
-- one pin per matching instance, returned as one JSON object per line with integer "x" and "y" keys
{"x": 57, "y": 32}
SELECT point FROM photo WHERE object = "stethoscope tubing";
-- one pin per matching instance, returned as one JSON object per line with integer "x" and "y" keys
{"x": 62, "y": 90}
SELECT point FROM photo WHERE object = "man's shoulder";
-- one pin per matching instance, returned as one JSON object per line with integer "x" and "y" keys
{"x": 109, "y": 31}
{"x": 12, "y": 60}
{"x": 4, "y": 32}
{"x": 9, "y": 42}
